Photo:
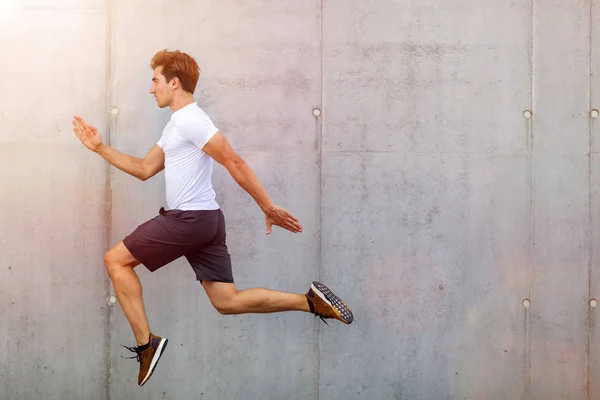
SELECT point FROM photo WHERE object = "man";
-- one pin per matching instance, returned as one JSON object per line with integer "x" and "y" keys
{"x": 194, "y": 226}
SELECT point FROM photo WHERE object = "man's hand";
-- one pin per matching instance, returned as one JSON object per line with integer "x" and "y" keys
{"x": 89, "y": 135}
{"x": 280, "y": 217}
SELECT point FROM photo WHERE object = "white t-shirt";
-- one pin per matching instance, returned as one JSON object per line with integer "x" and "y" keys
{"x": 188, "y": 169}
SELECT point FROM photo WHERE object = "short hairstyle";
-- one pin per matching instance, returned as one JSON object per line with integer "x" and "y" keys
{"x": 180, "y": 65}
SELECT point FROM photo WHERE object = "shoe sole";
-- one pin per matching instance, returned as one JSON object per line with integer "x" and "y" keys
{"x": 161, "y": 348}
{"x": 341, "y": 309}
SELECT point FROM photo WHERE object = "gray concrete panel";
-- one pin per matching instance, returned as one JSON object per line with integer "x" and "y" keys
{"x": 53, "y": 310}
{"x": 561, "y": 227}
{"x": 260, "y": 81}
{"x": 594, "y": 272}
{"x": 424, "y": 133}
{"x": 426, "y": 77}
{"x": 560, "y": 277}
{"x": 430, "y": 252}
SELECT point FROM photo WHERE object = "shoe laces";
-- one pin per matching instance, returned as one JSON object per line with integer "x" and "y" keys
{"x": 135, "y": 350}
{"x": 312, "y": 310}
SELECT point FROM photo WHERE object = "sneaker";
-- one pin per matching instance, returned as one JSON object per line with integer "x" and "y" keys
{"x": 148, "y": 358}
{"x": 323, "y": 303}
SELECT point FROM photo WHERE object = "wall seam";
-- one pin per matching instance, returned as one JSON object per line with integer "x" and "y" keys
{"x": 590, "y": 214}
{"x": 108, "y": 188}
{"x": 320, "y": 272}
{"x": 531, "y": 144}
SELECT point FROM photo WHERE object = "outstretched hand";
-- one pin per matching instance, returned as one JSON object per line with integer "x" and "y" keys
{"x": 281, "y": 217}
{"x": 89, "y": 135}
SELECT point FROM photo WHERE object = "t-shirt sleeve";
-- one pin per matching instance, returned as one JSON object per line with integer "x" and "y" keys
{"x": 160, "y": 142}
{"x": 198, "y": 130}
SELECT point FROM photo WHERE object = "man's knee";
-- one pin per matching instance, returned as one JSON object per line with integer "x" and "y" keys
{"x": 224, "y": 299}
{"x": 111, "y": 261}
{"x": 225, "y": 308}
{"x": 118, "y": 257}
{"x": 109, "y": 257}
{"x": 225, "y": 305}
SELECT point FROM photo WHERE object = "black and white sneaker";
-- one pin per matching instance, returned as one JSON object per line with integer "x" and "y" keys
{"x": 148, "y": 356}
{"x": 325, "y": 304}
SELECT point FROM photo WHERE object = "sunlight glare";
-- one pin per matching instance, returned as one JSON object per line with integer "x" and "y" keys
{"x": 7, "y": 5}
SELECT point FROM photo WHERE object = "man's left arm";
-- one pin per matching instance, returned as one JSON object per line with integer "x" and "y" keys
{"x": 221, "y": 151}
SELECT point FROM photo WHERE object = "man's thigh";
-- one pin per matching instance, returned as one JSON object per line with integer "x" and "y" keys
{"x": 154, "y": 245}
{"x": 172, "y": 234}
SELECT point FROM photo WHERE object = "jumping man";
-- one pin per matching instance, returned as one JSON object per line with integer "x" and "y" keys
{"x": 193, "y": 226}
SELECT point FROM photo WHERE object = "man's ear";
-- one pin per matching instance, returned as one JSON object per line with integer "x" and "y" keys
{"x": 175, "y": 83}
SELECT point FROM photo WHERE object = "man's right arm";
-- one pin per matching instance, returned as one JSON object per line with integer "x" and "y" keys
{"x": 141, "y": 168}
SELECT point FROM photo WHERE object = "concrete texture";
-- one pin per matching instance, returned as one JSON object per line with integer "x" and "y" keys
{"x": 424, "y": 134}
{"x": 561, "y": 205}
{"x": 429, "y": 203}
{"x": 53, "y": 309}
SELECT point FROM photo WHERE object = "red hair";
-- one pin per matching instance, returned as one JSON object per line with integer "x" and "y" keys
{"x": 180, "y": 65}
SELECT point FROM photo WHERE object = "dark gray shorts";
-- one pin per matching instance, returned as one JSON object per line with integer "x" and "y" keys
{"x": 199, "y": 236}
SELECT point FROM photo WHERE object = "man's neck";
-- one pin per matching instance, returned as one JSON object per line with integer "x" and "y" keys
{"x": 181, "y": 101}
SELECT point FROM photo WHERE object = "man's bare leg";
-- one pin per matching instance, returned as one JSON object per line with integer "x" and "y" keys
{"x": 120, "y": 265}
{"x": 228, "y": 300}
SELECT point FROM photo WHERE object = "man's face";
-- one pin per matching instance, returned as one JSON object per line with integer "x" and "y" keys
{"x": 161, "y": 89}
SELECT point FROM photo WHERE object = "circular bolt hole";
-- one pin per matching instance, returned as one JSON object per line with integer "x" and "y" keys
{"x": 112, "y": 299}
{"x": 114, "y": 111}
{"x": 526, "y": 303}
{"x": 594, "y": 113}
{"x": 316, "y": 112}
{"x": 593, "y": 303}
{"x": 527, "y": 114}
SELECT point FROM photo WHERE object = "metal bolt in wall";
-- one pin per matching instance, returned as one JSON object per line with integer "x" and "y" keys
{"x": 114, "y": 111}
{"x": 112, "y": 300}
{"x": 526, "y": 303}
{"x": 593, "y": 303}
{"x": 594, "y": 113}
{"x": 527, "y": 114}
{"x": 316, "y": 112}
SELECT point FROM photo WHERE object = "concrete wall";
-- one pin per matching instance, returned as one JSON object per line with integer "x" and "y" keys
{"x": 429, "y": 202}
{"x": 53, "y": 312}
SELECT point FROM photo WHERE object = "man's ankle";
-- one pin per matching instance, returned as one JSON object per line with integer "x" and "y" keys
{"x": 144, "y": 343}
